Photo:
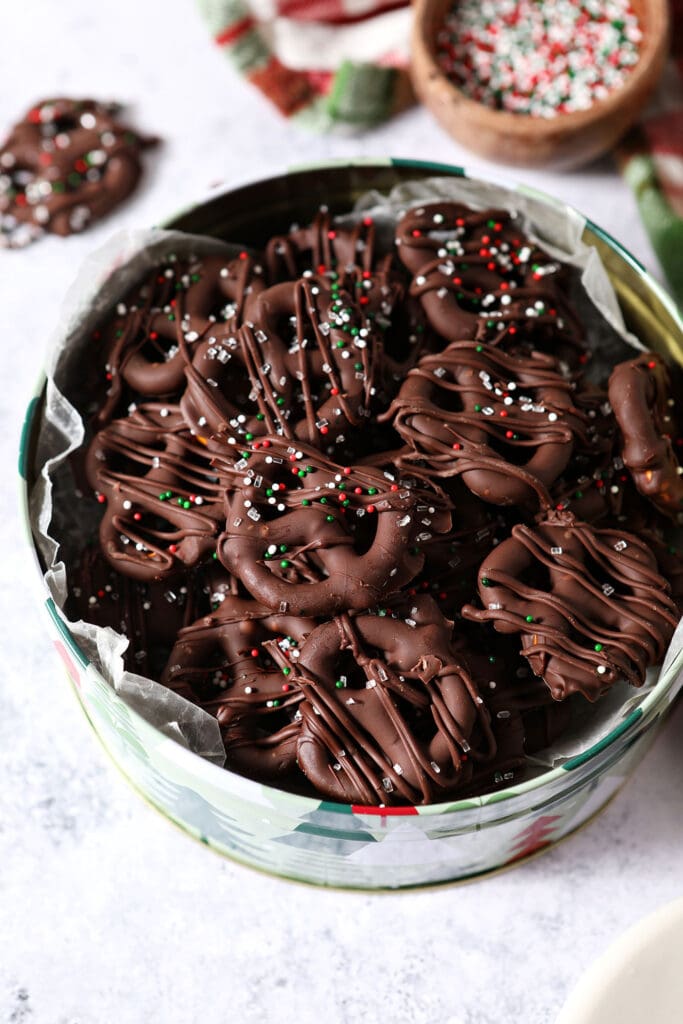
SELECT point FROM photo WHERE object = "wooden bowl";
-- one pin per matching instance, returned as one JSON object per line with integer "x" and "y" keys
{"x": 564, "y": 141}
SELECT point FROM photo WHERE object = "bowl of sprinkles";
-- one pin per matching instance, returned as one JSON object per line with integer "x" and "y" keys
{"x": 538, "y": 82}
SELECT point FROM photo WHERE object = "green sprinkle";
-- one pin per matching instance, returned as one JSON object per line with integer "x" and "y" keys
{"x": 485, "y": 581}
{"x": 477, "y": 407}
{"x": 598, "y": 648}
{"x": 329, "y": 519}
{"x": 284, "y": 564}
{"x": 283, "y": 548}
{"x": 248, "y": 437}
{"x": 340, "y": 684}
{"x": 529, "y": 618}
{"x": 260, "y": 417}
{"x": 305, "y": 502}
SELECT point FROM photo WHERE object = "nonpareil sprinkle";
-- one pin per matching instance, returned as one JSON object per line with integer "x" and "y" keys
{"x": 539, "y": 57}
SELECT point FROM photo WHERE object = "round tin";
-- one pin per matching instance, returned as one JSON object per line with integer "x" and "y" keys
{"x": 341, "y": 845}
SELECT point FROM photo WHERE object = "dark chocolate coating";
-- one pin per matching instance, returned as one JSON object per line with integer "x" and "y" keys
{"x": 148, "y": 613}
{"x": 399, "y": 726}
{"x": 589, "y": 604}
{"x": 347, "y": 532}
{"x": 505, "y": 424}
{"x": 644, "y": 403}
{"x": 477, "y": 276}
{"x": 183, "y": 307}
{"x": 228, "y": 662}
{"x": 68, "y": 163}
{"x": 164, "y": 503}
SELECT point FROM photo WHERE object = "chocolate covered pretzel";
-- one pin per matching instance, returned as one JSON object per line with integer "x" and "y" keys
{"x": 163, "y": 503}
{"x": 181, "y": 306}
{"x": 311, "y": 538}
{"x": 477, "y": 276}
{"x": 224, "y": 663}
{"x": 148, "y": 613}
{"x": 589, "y": 604}
{"x": 505, "y": 424}
{"x": 325, "y": 246}
{"x": 644, "y": 402}
{"x": 66, "y": 164}
{"x": 331, "y": 357}
{"x": 388, "y": 713}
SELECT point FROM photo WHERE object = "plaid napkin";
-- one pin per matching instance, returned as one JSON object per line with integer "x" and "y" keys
{"x": 327, "y": 64}
{"x": 335, "y": 64}
{"x": 651, "y": 161}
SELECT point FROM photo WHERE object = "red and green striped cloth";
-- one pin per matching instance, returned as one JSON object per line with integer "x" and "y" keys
{"x": 327, "y": 64}
{"x": 342, "y": 64}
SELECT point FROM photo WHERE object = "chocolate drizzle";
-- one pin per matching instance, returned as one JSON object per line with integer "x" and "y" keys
{"x": 163, "y": 500}
{"x": 589, "y": 604}
{"x": 505, "y": 424}
{"x": 398, "y": 727}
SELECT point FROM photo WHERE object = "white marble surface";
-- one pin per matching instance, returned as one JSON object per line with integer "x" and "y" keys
{"x": 107, "y": 913}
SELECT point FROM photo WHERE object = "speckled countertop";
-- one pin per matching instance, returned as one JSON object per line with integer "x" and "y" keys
{"x": 107, "y": 913}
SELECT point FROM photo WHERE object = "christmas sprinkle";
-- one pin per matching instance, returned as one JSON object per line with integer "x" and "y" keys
{"x": 539, "y": 58}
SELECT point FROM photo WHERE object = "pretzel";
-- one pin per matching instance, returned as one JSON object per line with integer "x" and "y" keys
{"x": 181, "y": 306}
{"x": 478, "y": 277}
{"x": 505, "y": 424}
{"x": 642, "y": 396}
{"x": 325, "y": 246}
{"x": 68, "y": 163}
{"x": 164, "y": 504}
{"x": 312, "y": 538}
{"x": 388, "y": 713}
{"x": 149, "y": 613}
{"x": 225, "y": 663}
{"x": 332, "y": 355}
{"x": 589, "y": 604}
